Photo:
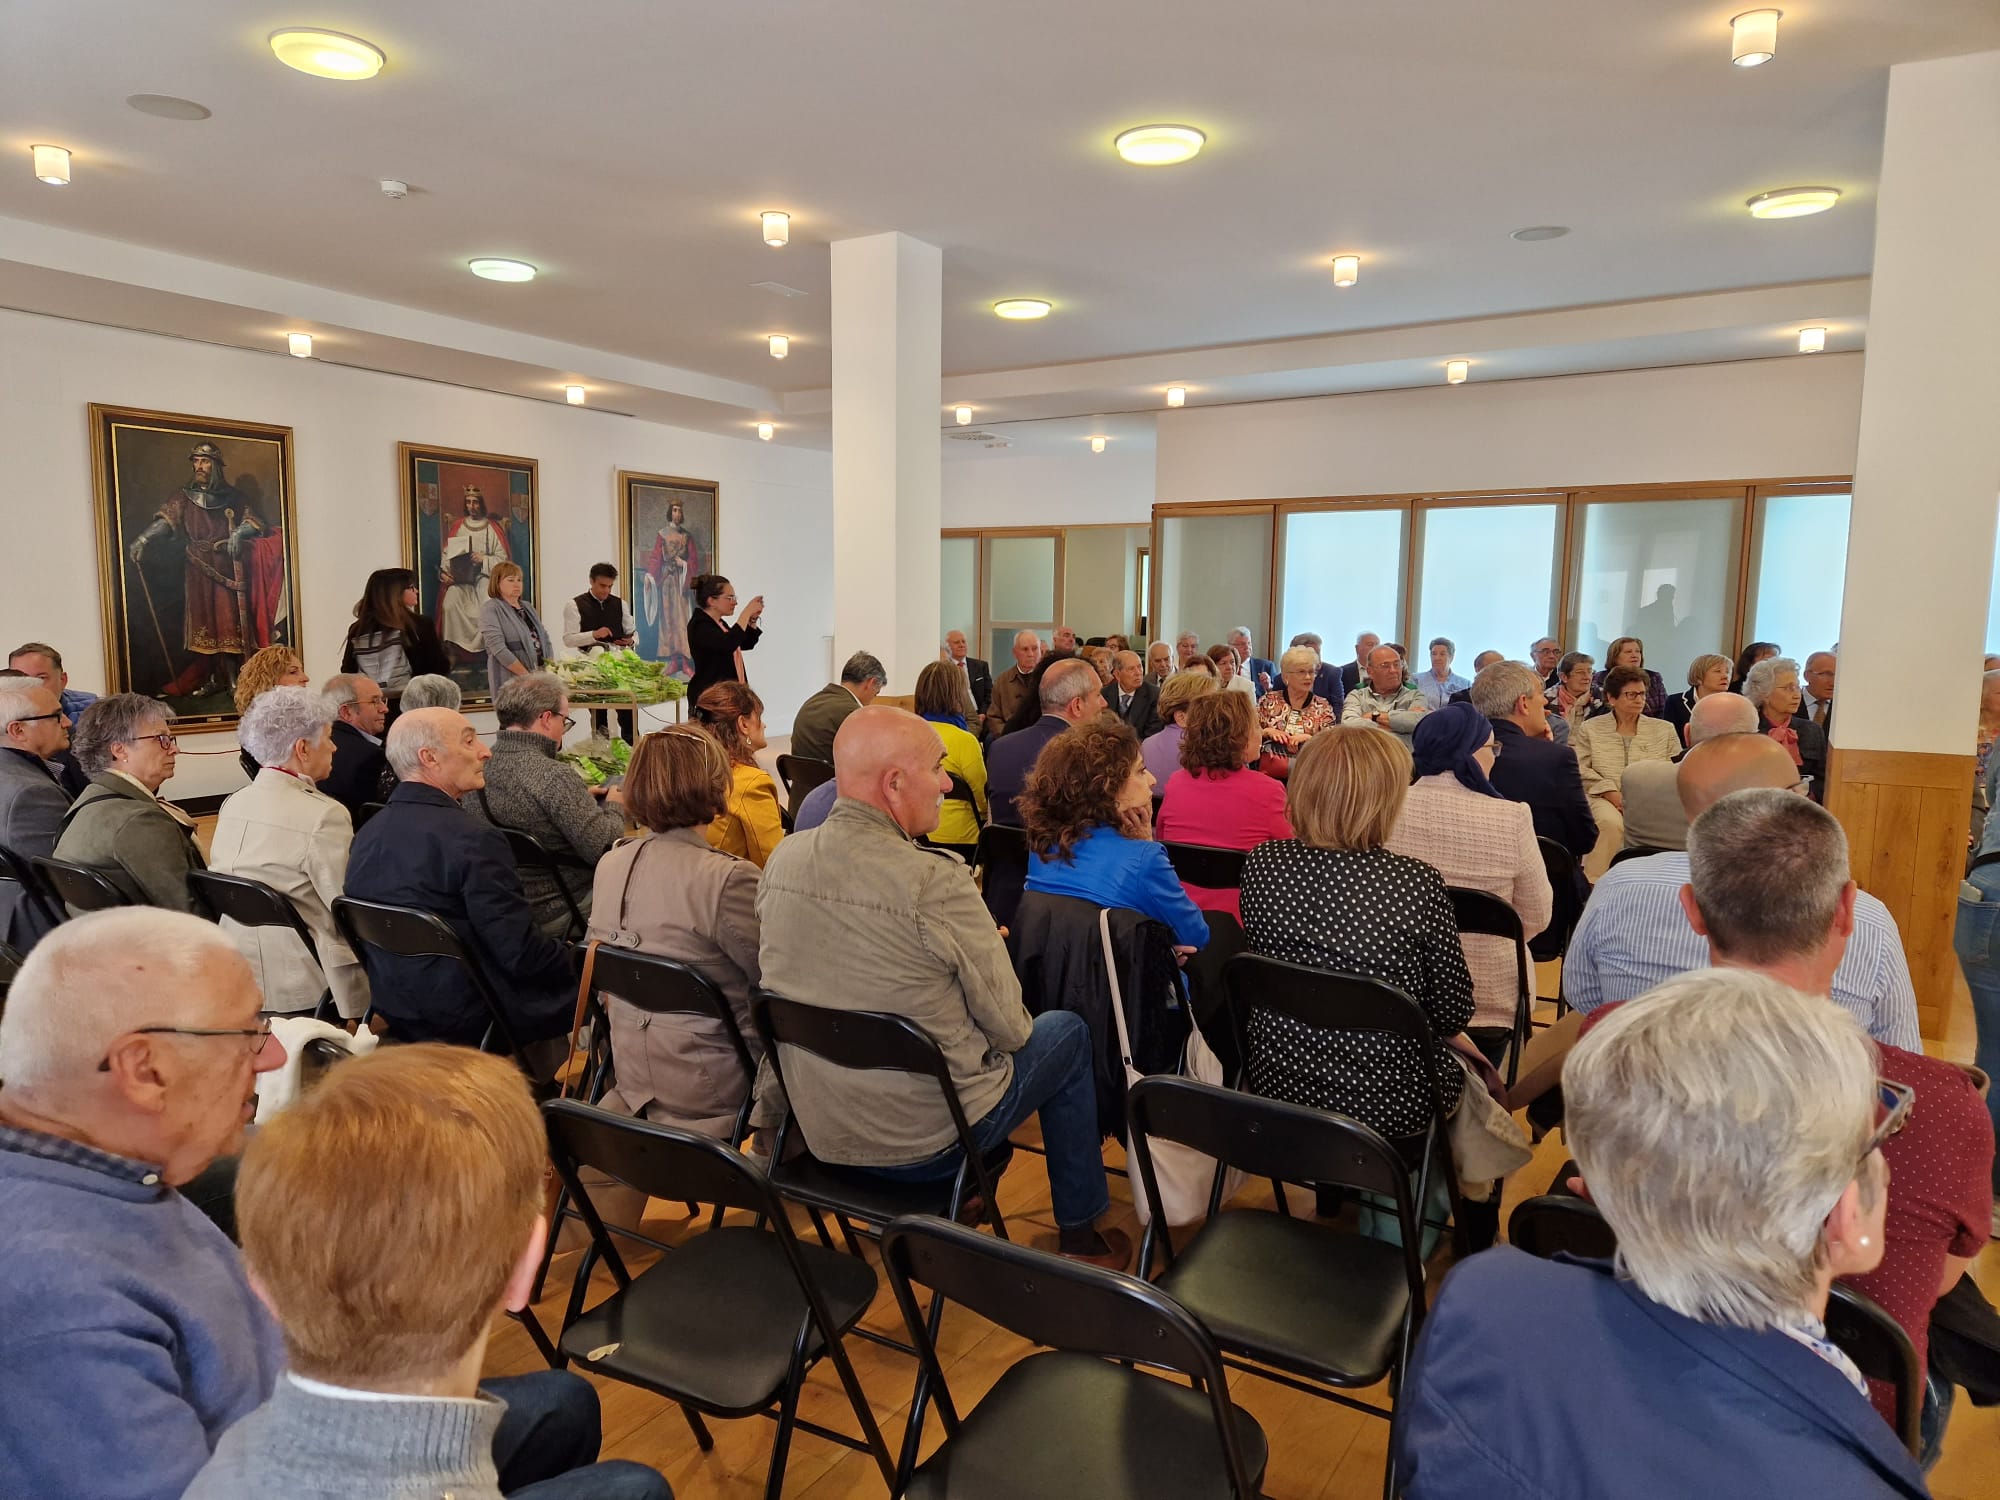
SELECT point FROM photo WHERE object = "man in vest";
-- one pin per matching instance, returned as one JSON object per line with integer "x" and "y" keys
{"x": 599, "y": 621}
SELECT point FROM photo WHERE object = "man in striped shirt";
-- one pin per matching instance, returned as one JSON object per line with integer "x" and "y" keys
{"x": 1634, "y": 932}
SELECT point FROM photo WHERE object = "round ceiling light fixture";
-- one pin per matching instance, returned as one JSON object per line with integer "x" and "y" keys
{"x": 167, "y": 107}
{"x": 1160, "y": 145}
{"x": 1753, "y": 37}
{"x": 575, "y": 394}
{"x": 1536, "y": 232}
{"x": 963, "y": 416}
{"x": 327, "y": 54}
{"x": 1346, "y": 270}
{"x": 1097, "y": 445}
{"x": 493, "y": 268}
{"x": 1021, "y": 307}
{"x": 764, "y": 431}
{"x": 1177, "y": 395}
{"x": 1455, "y": 371}
{"x": 1812, "y": 340}
{"x": 1792, "y": 202}
{"x": 781, "y": 345}
{"x": 777, "y": 228}
{"x": 51, "y": 164}
{"x": 299, "y": 345}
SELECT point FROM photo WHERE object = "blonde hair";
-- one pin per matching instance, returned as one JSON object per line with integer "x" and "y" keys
{"x": 1701, "y": 666}
{"x": 500, "y": 574}
{"x": 262, "y": 671}
{"x": 1299, "y": 656}
{"x": 1347, "y": 787}
{"x": 384, "y": 1211}
{"x": 1181, "y": 689}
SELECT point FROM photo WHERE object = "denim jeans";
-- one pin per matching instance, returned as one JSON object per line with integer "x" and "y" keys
{"x": 1052, "y": 1077}
{"x": 546, "y": 1446}
{"x": 1976, "y": 937}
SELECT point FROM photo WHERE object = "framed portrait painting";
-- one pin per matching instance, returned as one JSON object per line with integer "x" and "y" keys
{"x": 666, "y": 530}
{"x": 463, "y": 515}
{"x": 197, "y": 554}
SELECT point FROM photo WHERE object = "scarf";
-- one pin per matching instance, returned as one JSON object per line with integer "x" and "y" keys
{"x": 957, "y": 721}
{"x": 1787, "y": 736}
{"x": 1445, "y": 739}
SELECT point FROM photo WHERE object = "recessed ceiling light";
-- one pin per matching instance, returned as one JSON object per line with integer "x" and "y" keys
{"x": 1177, "y": 395}
{"x": 494, "y": 269}
{"x": 1811, "y": 340}
{"x": 780, "y": 346}
{"x": 764, "y": 431}
{"x": 1160, "y": 145}
{"x": 300, "y": 345}
{"x": 574, "y": 394}
{"x": 1455, "y": 371}
{"x": 1792, "y": 202}
{"x": 51, "y": 164}
{"x": 167, "y": 107}
{"x": 1097, "y": 445}
{"x": 1346, "y": 270}
{"x": 1753, "y": 37}
{"x": 777, "y": 228}
{"x": 963, "y": 416}
{"x": 1021, "y": 307}
{"x": 327, "y": 54}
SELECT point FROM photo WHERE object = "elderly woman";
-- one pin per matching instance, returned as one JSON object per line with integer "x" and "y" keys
{"x": 1440, "y": 682}
{"x": 1609, "y": 743}
{"x": 1751, "y": 654}
{"x": 1729, "y": 1130}
{"x": 1292, "y": 713}
{"x": 750, "y": 824}
{"x": 1630, "y": 651}
{"x": 1229, "y": 671}
{"x": 121, "y": 826}
{"x": 1574, "y": 696}
{"x": 282, "y": 830}
{"x": 1455, "y": 821}
{"x": 516, "y": 641}
{"x": 1162, "y": 749}
{"x": 1707, "y": 676}
{"x": 939, "y": 699}
{"x": 1088, "y": 808}
{"x": 1217, "y": 798}
{"x": 430, "y": 690}
{"x": 1773, "y": 687}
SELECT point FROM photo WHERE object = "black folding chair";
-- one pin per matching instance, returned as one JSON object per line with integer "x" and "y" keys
{"x": 10, "y": 965}
{"x": 1076, "y": 1418}
{"x": 79, "y": 887}
{"x": 802, "y": 773}
{"x": 1483, "y": 914}
{"x": 728, "y": 1324}
{"x": 366, "y": 811}
{"x": 1207, "y": 866}
{"x": 44, "y": 911}
{"x": 407, "y": 932}
{"x": 1296, "y": 1296}
{"x": 1565, "y": 884}
{"x": 1635, "y": 851}
{"x": 1860, "y": 1329}
{"x": 251, "y": 903}
{"x": 1559, "y": 1223}
{"x": 1003, "y": 869}
{"x": 530, "y": 853}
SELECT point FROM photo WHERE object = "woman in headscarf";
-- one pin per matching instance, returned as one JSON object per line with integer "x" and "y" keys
{"x": 1457, "y": 822}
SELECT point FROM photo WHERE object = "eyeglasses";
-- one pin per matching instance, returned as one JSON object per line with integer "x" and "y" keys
{"x": 1494, "y": 746}
{"x": 164, "y": 741}
{"x": 567, "y": 722}
{"x": 1896, "y": 1101}
{"x": 1803, "y": 786}
{"x": 36, "y": 718}
{"x": 261, "y": 1031}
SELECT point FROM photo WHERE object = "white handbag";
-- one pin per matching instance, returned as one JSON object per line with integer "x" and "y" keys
{"x": 1185, "y": 1175}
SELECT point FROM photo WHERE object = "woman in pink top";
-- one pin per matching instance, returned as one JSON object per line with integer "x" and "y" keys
{"x": 1213, "y": 799}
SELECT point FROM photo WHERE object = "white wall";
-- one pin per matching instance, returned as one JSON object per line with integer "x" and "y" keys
{"x": 1759, "y": 419}
{"x": 776, "y": 522}
{"x": 1002, "y": 488}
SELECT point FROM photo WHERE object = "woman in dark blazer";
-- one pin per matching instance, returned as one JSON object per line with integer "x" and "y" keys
{"x": 712, "y": 641}
{"x": 1773, "y": 687}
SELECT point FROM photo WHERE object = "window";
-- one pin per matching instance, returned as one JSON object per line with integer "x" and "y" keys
{"x": 1662, "y": 570}
{"x": 1486, "y": 579}
{"x": 1215, "y": 572}
{"x": 1800, "y": 548}
{"x": 1343, "y": 575}
{"x": 958, "y": 591}
{"x": 1020, "y": 588}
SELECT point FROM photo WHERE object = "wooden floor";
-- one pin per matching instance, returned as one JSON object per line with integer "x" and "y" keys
{"x": 1318, "y": 1449}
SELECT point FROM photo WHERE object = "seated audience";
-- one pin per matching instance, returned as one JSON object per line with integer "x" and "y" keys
{"x": 1293, "y": 712}
{"x": 1229, "y": 671}
{"x": 121, "y": 826}
{"x": 1531, "y": 767}
{"x": 1545, "y": 656}
{"x": 1480, "y": 663}
{"x": 1159, "y": 662}
{"x": 1326, "y": 677}
{"x": 1573, "y": 696}
{"x": 1728, "y": 1130}
{"x": 360, "y": 770}
{"x": 819, "y": 718}
{"x": 1263, "y": 674}
{"x": 1354, "y": 673}
{"x": 432, "y": 690}
{"x": 1977, "y": 944}
{"x": 1335, "y": 897}
{"x": 1028, "y": 711}
{"x": 1457, "y": 823}
{"x": 1385, "y": 699}
{"x": 391, "y": 639}
{"x": 1750, "y": 655}
{"x": 1606, "y": 746}
{"x": 1654, "y": 817}
{"x": 1010, "y": 689}
{"x": 1985, "y": 765}
{"x": 1217, "y": 797}
{"x": 1630, "y": 651}
{"x": 1707, "y": 676}
{"x": 1773, "y": 688}
{"x": 750, "y": 825}
{"x": 964, "y": 810}
{"x": 1634, "y": 934}
{"x": 854, "y": 916}
{"x": 1088, "y": 809}
{"x": 1162, "y": 749}
{"x": 284, "y": 831}
{"x": 1131, "y": 696}
{"x": 1440, "y": 682}
{"x": 34, "y": 729}
{"x": 1069, "y": 694}
{"x": 1187, "y": 647}
{"x": 381, "y": 1392}
{"x": 526, "y": 788}
{"x": 425, "y": 850}
{"x": 1100, "y": 659}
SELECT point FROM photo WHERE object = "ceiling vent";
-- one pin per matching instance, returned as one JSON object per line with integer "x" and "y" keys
{"x": 974, "y": 435}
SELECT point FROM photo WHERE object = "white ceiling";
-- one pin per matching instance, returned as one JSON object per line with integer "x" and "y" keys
{"x": 624, "y": 146}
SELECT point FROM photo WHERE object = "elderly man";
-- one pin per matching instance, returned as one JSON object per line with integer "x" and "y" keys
{"x": 855, "y": 916}
{"x": 1654, "y": 817}
{"x": 1480, "y": 663}
{"x": 1071, "y": 693}
{"x": 1159, "y": 662}
{"x": 1634, "y": 934}
{"x": 1354, "y": 673}
{"x": 527, "y": 788}
{"x": 35, "y": 727}
{"x": 1386, "y": 699}
{"x": 1531, "y": 767}
{"x": 1817, "y": 702}
{"x": 1263, "y": 673}
{"x": 425, "y": 850}
{"x": 819, "y": 718}
{"x": 1063, "y": 641}
{"x": 1546, "y": 655}
{"x": 360, "y": 773}
{"x": 1010, "y": 689}
{"x": 1132, "y": 697}
{"x": 974, "y": 673}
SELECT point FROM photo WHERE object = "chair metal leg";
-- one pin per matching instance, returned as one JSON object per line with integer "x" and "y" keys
{"x": 788, "y": 1415}
{"x": 819, "y": 1226}
{"x": 560, "y": 1212}
{"x": 699, "y": 1428}
{"x": 540, "y": 1339}
{"x": 921, "y": 1395}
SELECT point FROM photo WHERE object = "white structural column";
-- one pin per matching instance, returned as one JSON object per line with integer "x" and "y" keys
{"x": 1926, "y": 488}
{"x": 887, "y": 346}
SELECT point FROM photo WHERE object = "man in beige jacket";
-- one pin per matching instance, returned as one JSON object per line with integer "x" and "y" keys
{"x": 855, "y": 915}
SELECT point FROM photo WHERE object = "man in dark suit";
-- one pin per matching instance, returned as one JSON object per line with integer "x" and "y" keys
{"x": 1132, "y": 695}
{"x": 978, "y": 675}
{"x": 1817, "y": 701}
{"x": 33, "y": 731}
{"x": 1071, "y": 693}
{"x": 360, "y": 773}
{"x": 1531, "y": 767}
{"x": 1263, "y": 673}
{"x": 1354, "y": 672}
{"x": 819, "y": 718}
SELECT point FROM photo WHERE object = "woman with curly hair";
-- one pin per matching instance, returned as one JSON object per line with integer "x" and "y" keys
{"x": 274, "y": 666}
{"x": 749, "y": 824}
{"x": 1088, "y": 807}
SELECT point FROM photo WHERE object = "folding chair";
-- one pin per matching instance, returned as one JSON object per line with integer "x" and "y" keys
{"x": 1298, "y": 1297}
{"x": 530, "y": 853}
{"x": 10, "y": 965}
{"x": 1206, "y": 866}
{"x": 79, "y": 887}
{"x": 366, "y": 811}
{"x": 731, "y": 1321}
{"x": 1552, "y": 942}
{"x": 407, "y": 932}
{"x": 1861, "y": 1330}
{"x": 1634, "y": 851}
{"x": 1483, "y": 914}
{"x": 44, "y": 911}
{"x": 802, "y": 773}
{"x": 1077, "y": 1418}
{"x": 1557, "y": 1223}
{"x": 251, "y": 903}
{"x": 1003, "y": 869}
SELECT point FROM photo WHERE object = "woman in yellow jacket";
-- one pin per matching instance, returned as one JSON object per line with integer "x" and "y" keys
{"x": 944, "y": 699}
{"x": 750, "y": 824}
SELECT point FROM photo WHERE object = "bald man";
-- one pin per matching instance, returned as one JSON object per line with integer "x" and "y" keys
{"x": 1635, "y": 934}
{"x": 1817, "y": 702}
{"x": 1654, "y": 819}
{"x": 855, "y": 915}
{"x": 1010, "y": 688}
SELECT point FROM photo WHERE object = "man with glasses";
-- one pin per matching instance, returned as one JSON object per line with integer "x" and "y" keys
{"x": 32, "y": 798}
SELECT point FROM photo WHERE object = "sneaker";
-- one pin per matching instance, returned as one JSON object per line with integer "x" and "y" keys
{"x": 1115, "y": 1256}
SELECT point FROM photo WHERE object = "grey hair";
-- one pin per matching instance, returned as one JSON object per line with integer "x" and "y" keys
{"x": 340, "y": 691}
{"x": 522, "y": 700}
{"x": 1717, "y": 1119}
{"x": 429, "y": 690}
{"x": 113, "y": 720}
{"x": 1021, "y": 637}
{"x": 1308, "y": 638}
{"x": 1445, "y": 641}
{"x": 408, "y": 738}
{"x": 1719, "y": 714}
{"x": 1768, "y": 869}
{"x": 92, "y": 980}
{"x": 1066, "y": 682}
{"x": 278, "y": 718}
{"x": 1541, "y": 641}
{"x": 1188, "y": 635}
{"x": 1297, "y": 656}
{"x": 1235, "y": 630}
{"x": 1763, "y": 677}
{"x": 1501, "y": 684}
{"x": 1572, "y": 660}
{"x": 862, "y": 667}
{"x": 17, "y": 700}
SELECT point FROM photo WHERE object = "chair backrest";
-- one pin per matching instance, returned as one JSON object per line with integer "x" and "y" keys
{"x": 1002, "y": 859}
{"x": 662, "y": 1161}
{"x": 79, "y": 886}
{"x": 34, "y": 893}
{"x": 1556, "y": 1222}
{"x": 1861, "y": 1330}
{"x": 660, "y": 986}
{"x": 1206, "y": 866}
{"x": 801, "y": 773}
{"x": 961, "y": 791}
{"x": 249, "y": 902}
{"x": 1634, "y": 851}
{"x": 407, "y": 932}
{"x": 1564, "y": 884}
{"x": 530, "y": 853}
{"x": 1483, "y": 914}
{"x": 366, "y": 811}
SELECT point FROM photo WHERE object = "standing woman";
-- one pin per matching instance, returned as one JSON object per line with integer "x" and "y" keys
{"x": 1707, "y": 675}
{"x": 711, "y": 641}
{"x": 1630, "y": 651}
{"x": 516, "y": 641}
{"x": 749, "y": 824}
{"x": 940, "y": 699}
{"x": 390, "y": 640}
